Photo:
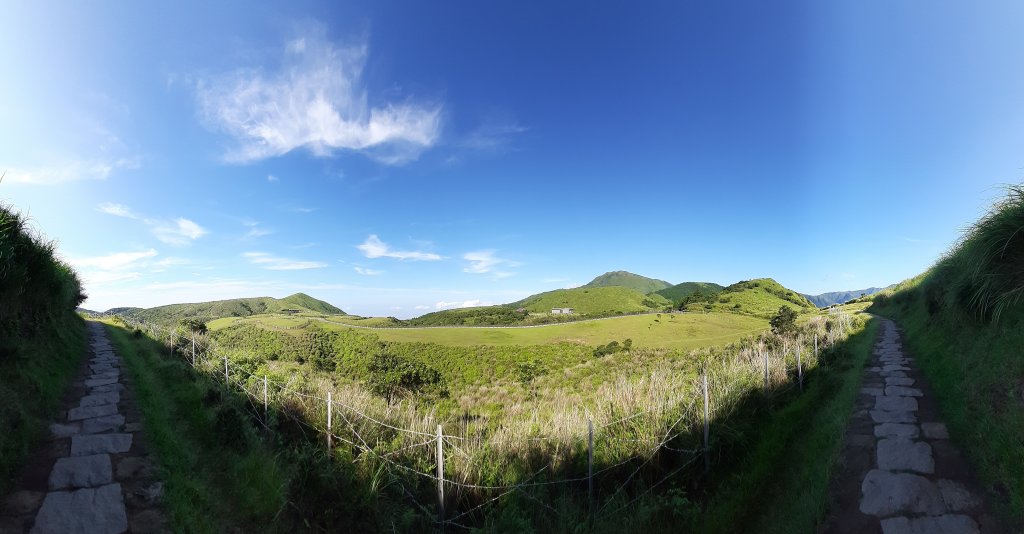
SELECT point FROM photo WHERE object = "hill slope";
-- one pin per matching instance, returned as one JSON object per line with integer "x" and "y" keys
{"x": 593, "y": 300}
{"x": 838, "y": 297}
{"x": 761, "y": 297}
{"x": 632, "y": 281}
{"x": 205, "y": 311}
{"x": 678, "y": 292}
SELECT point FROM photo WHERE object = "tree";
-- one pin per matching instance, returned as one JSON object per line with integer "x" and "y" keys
{"x": 193, "y": 325}
{"x": 784, "y": 322}
{"x": 391, "y": 376}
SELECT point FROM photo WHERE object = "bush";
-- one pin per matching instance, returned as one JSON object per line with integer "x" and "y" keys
{"x": 784, "y": 321}
{"x": 391, "y": 376}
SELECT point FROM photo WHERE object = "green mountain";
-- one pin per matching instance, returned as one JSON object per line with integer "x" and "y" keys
{"x": 838, "y": 297}
{"x": 678, "y": 292}
{"x": 591, "y": 300}
{"x": 206, "y": 311}
{"x": 626, "y": 279}
{"x": 761, "y": 297}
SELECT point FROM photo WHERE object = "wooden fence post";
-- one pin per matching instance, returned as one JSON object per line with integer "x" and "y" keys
{"x": 440, "y": 477}
{"x": 800, "y": 368}
{"x": 227, "y": 382}
{"x": 330, "y": 410}
{"x": 266, "y": 420}
{"x": 193, "y": 349}
{"x": 766, "y": 372}
{"x": 707, "y": 459}
{"x": 590, "y": 467}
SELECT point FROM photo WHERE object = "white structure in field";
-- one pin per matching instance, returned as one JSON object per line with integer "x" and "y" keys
{"x": 565, "y": 311}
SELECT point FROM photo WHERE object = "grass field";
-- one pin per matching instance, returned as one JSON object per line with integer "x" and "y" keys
{"x": 680, "y": 331}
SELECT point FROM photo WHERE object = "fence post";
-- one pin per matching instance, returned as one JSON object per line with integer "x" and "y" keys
{"x": 193, "y": 349}
{"x": 266, "y": 420}
{"x": 440, "y": 477}
{"x": 226, "y": 381}
{"x": 707, "y": 459}
{"x": 766, "y": 372}
{"x": 330, "y": 406}
{"x": 800, "y": 368}
{"x": 590, "y": 467}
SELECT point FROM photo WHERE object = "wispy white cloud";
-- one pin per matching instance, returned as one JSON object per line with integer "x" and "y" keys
{"x": 493, "y": 136}
{"x": 373, "y": 247}
{"x": 272, "y": 178}
{"x": 275, "y": 263}
{"x": 98, "y": 169}
{"x": 422, "y": 307}
{"x": 115, "y": 261}
{"x": 463, "y": 304}
{"x": 255, "y": 230}
{"x": 316, "y": 100}
{"x": 485, "y": 262}
{"x": 119, "y": 210}
{"x": 178, "y": 232}
{"x": 367, "y": 272}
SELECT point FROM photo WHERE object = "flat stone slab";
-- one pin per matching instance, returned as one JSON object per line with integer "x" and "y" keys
{"x": 93, "y": 382}
{"x": 935, "y": 430}
{"x": 896, "y": 430}
{"x": 93, "y": 510}
{"x": 58, "y": 430}
{"x": 895, "y": 404}
{"x": 107, "y": 388}
{"x": 903, "y": 391}
{"x": 902, "y": 454}
{"x": 102, "y": 424}
{"x": 887, "y": 368}
{"x": 84, "y": 445}
{"x": 882, "y": 416}
{"x": 113, "y": 373}
{"x": 897, "y": 381}
{"x": 900, "y": 374}
{"x": 956, "y": 496}
{"x": 99, "y": 399}
{"x": 943, "y": 524}
{"x": 872, "y": 391}
{"x": 100, "y": 367}
{"x": 81, "y": 472}
{"x": 884, "y": 494}
{"x": 88, "y": 412}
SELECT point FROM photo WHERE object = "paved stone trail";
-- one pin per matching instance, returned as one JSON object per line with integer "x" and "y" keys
{"x": 93, "y": 475}
{"x": 900, "y": 473}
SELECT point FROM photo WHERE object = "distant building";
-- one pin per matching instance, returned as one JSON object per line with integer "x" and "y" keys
{"x": 565, "y": 311}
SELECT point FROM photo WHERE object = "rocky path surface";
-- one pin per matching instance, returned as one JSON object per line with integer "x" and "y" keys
{"x": 899, "y": 471}
{"x": 93, "y": 476}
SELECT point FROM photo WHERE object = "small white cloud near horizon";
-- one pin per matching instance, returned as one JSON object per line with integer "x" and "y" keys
{"x": 457, "y": 304}
{"x": 275, "y": 263}
{"x": 316, "y": 100}
{"x": 485, "y": 262}
{"x": 114, "y": 261}
{"x": 373, "y": 247}
{"x": 272, "y": 178}
{"x": 367, "y": 272}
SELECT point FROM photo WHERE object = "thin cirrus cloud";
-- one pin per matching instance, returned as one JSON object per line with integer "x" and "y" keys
{"x": 442, "y": 305}
{"x": 367, "y": 272}
{"x": 276, "y": 263}
{"x": 177, "y": 232}
{"x": 485, "y": 262}
{"x": 68, "y": 172}
{"x": 373, "y": 247}
{"x": 316, "y": 100}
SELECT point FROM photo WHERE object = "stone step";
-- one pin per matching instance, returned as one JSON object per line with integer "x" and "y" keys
{"x": 107, "y": 423}
{"x": 942, "y": 524}
{"x": 93, "y": 382}
{"x": 99, "y": 399}
{"x": 81, "y": 472}
{"x": 84, "y": 445}
{"x": 885, "y": 494}
{"x": 89, "y": 412}
{"x": 87, "y": 511}
{"x": 895, "y": 403}
{"x": 902, "y": 454}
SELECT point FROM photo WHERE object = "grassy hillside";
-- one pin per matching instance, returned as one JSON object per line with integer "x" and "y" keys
{"x": 678, "y": 292}
{"x": 679, "y": 331}
{"x": 964, "y": 325}
{"x": 626, "y": 279}
{"x": 594, "y": 301}
{"x": 206, "y": 311}
{"x": 838, "y": 297}
{"x": 761, "y": 298}
{"x": 42, "y": 339}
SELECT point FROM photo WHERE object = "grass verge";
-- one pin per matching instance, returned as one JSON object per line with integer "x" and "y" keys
{"x": 216, "y": 476}
{"x": 781, "y": 484}
{"x": 40, "y": 370}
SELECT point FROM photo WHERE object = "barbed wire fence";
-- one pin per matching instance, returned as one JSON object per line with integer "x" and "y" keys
{"x": 783, "y": 373}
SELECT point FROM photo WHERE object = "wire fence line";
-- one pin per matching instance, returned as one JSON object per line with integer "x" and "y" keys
{"x": 263, "y": 392}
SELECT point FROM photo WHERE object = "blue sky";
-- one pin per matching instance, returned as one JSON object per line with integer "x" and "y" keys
{"x": 395, "y": 158}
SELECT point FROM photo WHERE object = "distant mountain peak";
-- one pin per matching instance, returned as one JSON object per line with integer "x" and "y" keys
{"x": 640, "y": 283}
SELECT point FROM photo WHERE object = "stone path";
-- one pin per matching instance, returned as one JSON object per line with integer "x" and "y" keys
{"x": 899, "y": 472}
{"x": 93, "y": 475}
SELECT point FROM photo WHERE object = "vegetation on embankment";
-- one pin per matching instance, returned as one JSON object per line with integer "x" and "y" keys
{"x": 171, "y": 314}
{"x": 42, "y": 339}
{"x": 964, "y": 324}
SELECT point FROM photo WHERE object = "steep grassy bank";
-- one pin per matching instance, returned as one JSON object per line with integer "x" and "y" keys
{"x": 964, "y": 323}
{"x": 42, "y": 340}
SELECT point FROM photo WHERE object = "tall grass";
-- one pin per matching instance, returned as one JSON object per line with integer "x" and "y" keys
{"x": 41, "y": 337}
{"x": 645, "y": 407}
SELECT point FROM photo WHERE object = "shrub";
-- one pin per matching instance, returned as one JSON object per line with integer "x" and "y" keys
{"x": 784, "y": 321}
{"x": 391, "y": 376}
